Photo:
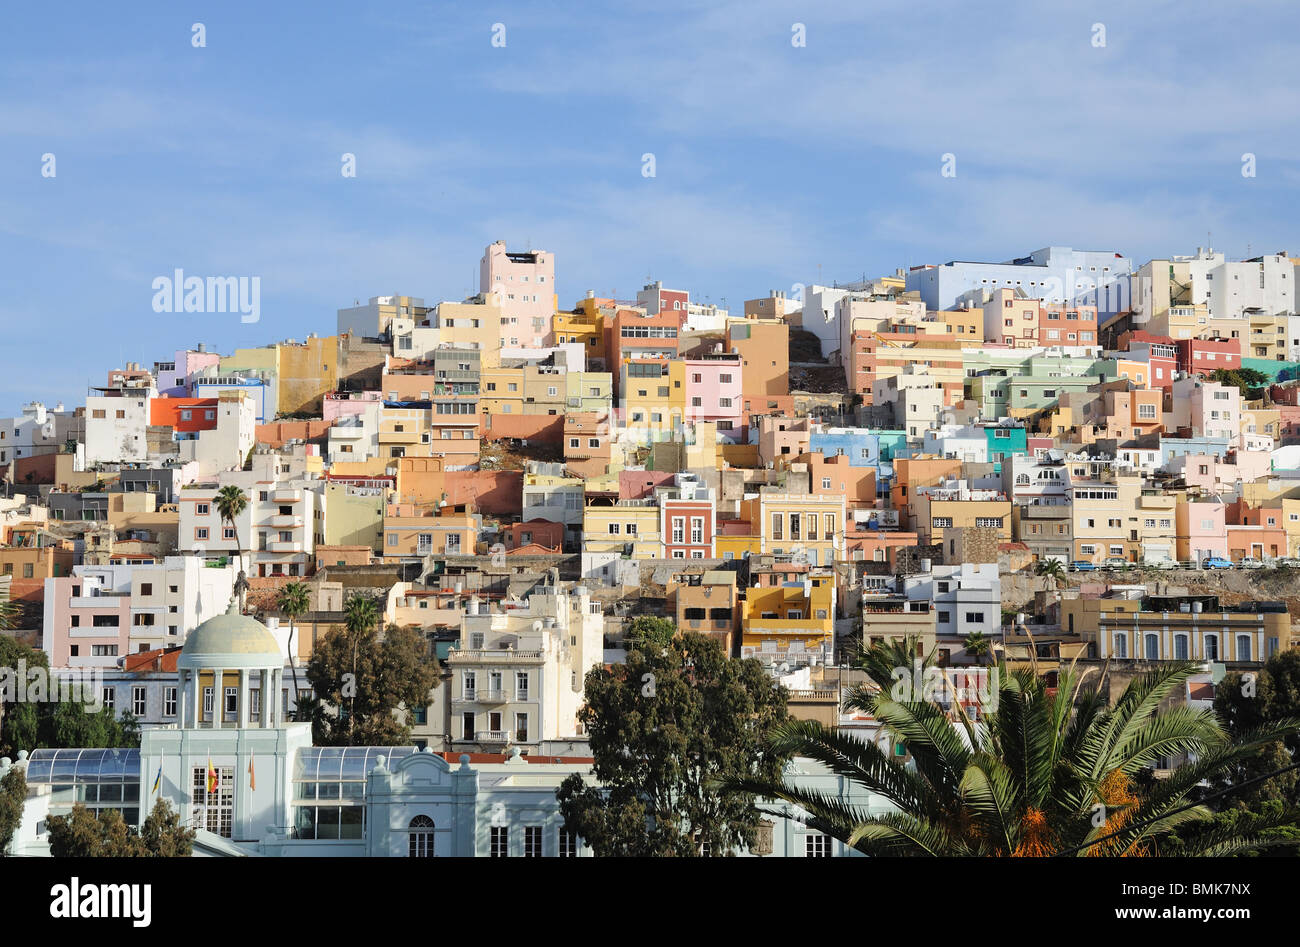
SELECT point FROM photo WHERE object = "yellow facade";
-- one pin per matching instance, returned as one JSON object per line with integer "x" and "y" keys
{"x": 476, "y": 325}
{"x": 628, "y": 523}
{"x": 586, "y": 328}
{"x": 656, "y": 405}
{"x": 810, "y": 528}
{"x": 803, "y": 613}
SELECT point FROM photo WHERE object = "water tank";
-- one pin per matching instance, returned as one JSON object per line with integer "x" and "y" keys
{"x": 1198, "y": 607}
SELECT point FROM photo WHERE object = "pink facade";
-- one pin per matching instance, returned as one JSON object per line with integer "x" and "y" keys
{"x": 526, "y": 282}
{"x": 350, "y": 404}
{"x": 1205, "y": 408}
{"x": 687, "y": 528}
{"x": 1201, "y": 530}
{"x": 85, "y": 630}
{"x": 639, "y": 484}
{"x": 782, "y": 437}
{"x": 713, "y": 393}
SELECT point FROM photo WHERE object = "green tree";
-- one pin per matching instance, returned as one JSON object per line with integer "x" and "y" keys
{"x": 977, "y": 645}
{"x": 1052, "y": 570}
{"x": 361, "y": 680}
{"x": 231, "y": 502}
{"x": 13, "y": 795}
{"x": 664, "y": 727}
{"x": 83, "y": 834}
{"x": 294, "y": 601}
{"x": 162, "y": 834}
{"x": 1039, "y": 773}
{"x": 43, "y": 722}
{"x": 646, "y": 630}
{"x": 1247, "y": 380}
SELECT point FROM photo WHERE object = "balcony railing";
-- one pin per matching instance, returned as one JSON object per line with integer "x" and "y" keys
{"x": 499, "y": 656}
{"x": 286, "y": 521}
{"x": 484, "y": 695}
{"x": 492, "y": 736}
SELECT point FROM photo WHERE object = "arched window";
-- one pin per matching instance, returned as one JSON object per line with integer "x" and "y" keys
{"x": 421, "y": 837}
{"x": 1211, "y": 647}
{"x": 1180, "y": 647}
{"x": 1121, "y": 645}
{"x": 1243, "y": 647}
{"x": 1152, "y": 647}
{"x": 1022, "y": 480}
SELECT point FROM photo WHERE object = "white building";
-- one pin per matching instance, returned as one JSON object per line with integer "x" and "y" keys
{"x": 116, "y": 428}
{"x": 967, "y": 599}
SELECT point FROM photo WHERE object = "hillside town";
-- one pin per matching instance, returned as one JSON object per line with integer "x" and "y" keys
{"x": 1068, "y": 462}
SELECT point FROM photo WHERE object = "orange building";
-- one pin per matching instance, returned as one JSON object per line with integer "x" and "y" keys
{"x": 764, "y": 350}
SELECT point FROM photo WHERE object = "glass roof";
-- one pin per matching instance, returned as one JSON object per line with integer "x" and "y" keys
{"x": 343, "y": 763}
{"x": 83, "y": 766}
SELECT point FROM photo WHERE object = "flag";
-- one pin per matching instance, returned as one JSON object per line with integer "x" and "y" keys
{"x": 157, "y": 780}
{"x": 212, "y": 777}
{"x": 252, "y": 777}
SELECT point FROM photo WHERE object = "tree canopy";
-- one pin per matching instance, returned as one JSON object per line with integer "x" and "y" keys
{"x": 664, "y": 727}
{"x": 83, "y": 834}
{"x": 361, "y": 680}
{"x": 13, "y": 795}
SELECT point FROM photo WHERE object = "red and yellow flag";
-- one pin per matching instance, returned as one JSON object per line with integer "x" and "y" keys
{"x": 213, "y": 779}
{"x": 252, "y": 777}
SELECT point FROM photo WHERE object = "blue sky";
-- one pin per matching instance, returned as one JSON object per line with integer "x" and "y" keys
{"x": 772, "y": 161}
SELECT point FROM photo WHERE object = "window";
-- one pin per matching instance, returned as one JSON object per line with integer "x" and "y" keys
{"x": 778, "y": 523}
{"x": 1211, "y": 648}
{"x": 532, "y": 841}
{"x": 1180, "y": 647}
{"x": 139, "y": 700}
{"x": 500, "y": 842}
{"x": 169, "y": 702}
{"x": 568, "y": 847}
{"x": 1243, "y": 647}
{"x": 215, "y": 808}
{"x": 817, "y": 846}
{"x": 420, "y": 836}
{"x": 975, "y": 618}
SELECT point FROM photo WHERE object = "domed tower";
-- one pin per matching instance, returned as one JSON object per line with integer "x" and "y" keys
{"x": 226, "y": 764}
{"x": 221, "y": 660}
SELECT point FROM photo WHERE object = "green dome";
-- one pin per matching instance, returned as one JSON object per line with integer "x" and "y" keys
{"x": 231, "y": 641}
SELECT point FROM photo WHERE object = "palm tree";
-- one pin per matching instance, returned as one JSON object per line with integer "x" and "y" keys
{"x": 294, "y": 601}
{"x": 230, "y": 503}
{"x": 1052, "y": 571}
{"x": 977, "y": 645}
{"x": 360, "y": 614}
{"x": 1041, "y": 773}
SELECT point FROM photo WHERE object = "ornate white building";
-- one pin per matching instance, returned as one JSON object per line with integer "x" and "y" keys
{"x": 251, "y": 783}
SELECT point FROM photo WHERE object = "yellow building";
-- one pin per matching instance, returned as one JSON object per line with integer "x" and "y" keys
{"x": 796, "y": 617}
{"x": 1266, "y": 337}
{"x": 589, "y": 391}
{"x": 477, "y": 324}
{"x": 1101, "y": 512}
{"x": 410, "y": 531}
{"x": 654, "y": 398}
{"x": 628, "y": 528}
{"x": 304, "y": 371}
{"x": 586, "y": 328}
{"x": 808, "y": 527}
{"x": 937, "y": 509}
{"x": 353, "y": 515}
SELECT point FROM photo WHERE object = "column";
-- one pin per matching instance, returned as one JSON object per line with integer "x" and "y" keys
{"x": 243, "y": 699}
{"x": 218, "y": 697}
{"x": 196, "y": 674}
{"x": 264, "y": 719}
{"x": 180, "y": 699}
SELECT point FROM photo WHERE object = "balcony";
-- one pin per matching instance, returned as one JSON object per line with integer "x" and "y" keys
{"x": 285, "y": 521}
{"x": 499, "y": 656}
{"x": 492, "y": 736}
{"x": 399, "y": 437}
{"x": 286, "y": 495}
{"x": 483, "y": 695}
{"x": 347, "y": 432}
{"x": 282, "y": 546}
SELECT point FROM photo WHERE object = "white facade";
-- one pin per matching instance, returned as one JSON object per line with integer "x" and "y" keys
{"x": 116, "y": 428}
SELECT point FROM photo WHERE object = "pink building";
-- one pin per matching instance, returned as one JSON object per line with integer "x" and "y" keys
{"x": 639, "y": 484}
{"x": 526, "y": 282}
{"x": 1201, "y": 530}
{"x": 1205, "y": 408}
{"x": 343, "y": 404}
{"x": 86, "y": 624}
{"x": 713, "y": 393}
{"x": 782, "y": 438}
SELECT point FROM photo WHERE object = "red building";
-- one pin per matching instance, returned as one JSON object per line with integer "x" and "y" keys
{"x": 1160, "y": 352}
{"x": 687, "y": 528}
{"x": 1203, "y": 356}
{"x": 633, "y": 334}
{"x": 184, "y": 415}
